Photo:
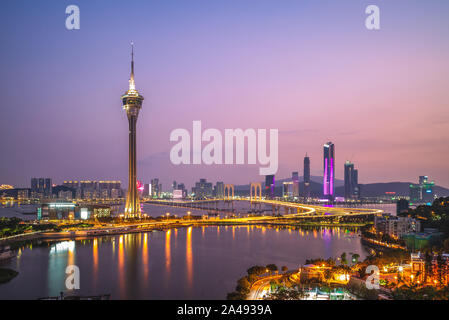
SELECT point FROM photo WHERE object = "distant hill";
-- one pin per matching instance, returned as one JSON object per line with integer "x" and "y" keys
{"x": 379, "y": 189}
{"x": 367, "y": 190}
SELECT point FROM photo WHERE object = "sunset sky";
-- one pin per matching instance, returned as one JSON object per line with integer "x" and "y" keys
{"x": 307, "y": 68}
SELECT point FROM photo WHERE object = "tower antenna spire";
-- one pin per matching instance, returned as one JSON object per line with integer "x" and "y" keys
{"x": 132, "y": 85}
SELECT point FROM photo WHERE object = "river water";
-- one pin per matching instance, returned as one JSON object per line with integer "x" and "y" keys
{"x": 184, "y": 263}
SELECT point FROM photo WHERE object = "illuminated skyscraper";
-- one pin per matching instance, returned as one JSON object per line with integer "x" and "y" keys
{"x": 132, "y": 103}
{"x": 329, "y": 170}
{"x": 351, "y": 181}
{"x": 306, "y": 176}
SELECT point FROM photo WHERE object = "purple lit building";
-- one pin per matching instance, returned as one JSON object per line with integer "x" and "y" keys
{"x": 329, "y": 171}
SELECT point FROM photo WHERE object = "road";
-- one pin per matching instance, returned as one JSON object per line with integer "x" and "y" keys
{"x": 260, "y": 286}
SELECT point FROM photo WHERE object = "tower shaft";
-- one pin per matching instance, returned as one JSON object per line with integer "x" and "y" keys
{"x": 132, "y": 200}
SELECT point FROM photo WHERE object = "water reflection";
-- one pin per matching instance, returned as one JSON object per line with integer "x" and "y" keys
{"x": 205, "y": 265}
{"x": 95, "y": 262}
{"x": 189, "y": 256}
{"x": 146, "y": 266}
{"x": 61, "y": 255}
{"x": 121, "y": 265}
{"x": 167, "y": 251}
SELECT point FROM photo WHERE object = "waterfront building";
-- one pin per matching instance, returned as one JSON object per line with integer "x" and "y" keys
{"x": 178, "y": 194}
{"x": 329, "y": 171}
{"x": 15, "y": 193}
{"x": 395, "y": 226}
{"x": 68, "y": 210}
{"x": 132, "y": 103}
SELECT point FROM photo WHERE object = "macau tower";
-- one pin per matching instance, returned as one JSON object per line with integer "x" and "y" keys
{"x": 132, "y": 103}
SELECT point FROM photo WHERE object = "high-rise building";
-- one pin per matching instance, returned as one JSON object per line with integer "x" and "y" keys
{"x": 422, "y": 192}
{"x": 155, "y": 192}
{"x": 34, "y": 185}
{"x": 402, "y": 205}
{"x": 349, "y": 168}
{"x": 306, "y": 176}
{"x": 269, "y": 186}
{"x": 219, "y": 190}
{"x": 202, "y": 189}
{"x": 182, "y": 187}
{"x": 89, "y": 189}
{"x": 41, "y": 188}
{"x": 71, "y": 184}
{"x": 48, "y": 187}
{"x": 106, "y": 187}
{"x": 295, "y": 184}
{"x": 147, "y": 190}
{"x": 132, "y": 103}
{"x": 351, "y": 181}
{"x": 355, "y": 183}
{"x": 287, "y": 189}
{"x": 329, "y": 170}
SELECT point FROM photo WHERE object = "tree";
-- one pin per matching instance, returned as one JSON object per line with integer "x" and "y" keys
{"x": 328, "y": 275}
{"x": 272, "y": 267}
{"x": 235, "y": 296}
{"x": 284, "y": 269}
{"x": 257, "y": 270}
{"x": 243, "y": 285}
{"x": 355, "y": 258}
{"x": 343, "y": 258}
{"x": 446, "y": 245}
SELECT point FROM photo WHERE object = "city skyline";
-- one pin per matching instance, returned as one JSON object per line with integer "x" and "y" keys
{"x": 66, "y": 100}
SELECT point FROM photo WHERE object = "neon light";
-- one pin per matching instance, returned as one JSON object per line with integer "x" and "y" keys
{"x": 325, "y": 192}
{"x": 331, "y": 189}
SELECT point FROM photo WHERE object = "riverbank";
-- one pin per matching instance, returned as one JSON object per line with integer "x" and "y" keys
{"x": 7, "y": 275}
{"x": 159, "y": 226}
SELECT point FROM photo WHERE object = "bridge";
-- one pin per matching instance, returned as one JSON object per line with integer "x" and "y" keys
{"x": 278, "y": 208}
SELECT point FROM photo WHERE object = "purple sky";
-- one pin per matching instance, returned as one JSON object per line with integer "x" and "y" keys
{"x": 308, "y": 68}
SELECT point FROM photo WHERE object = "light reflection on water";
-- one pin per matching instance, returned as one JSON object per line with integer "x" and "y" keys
{"x": 184, "y": 263}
